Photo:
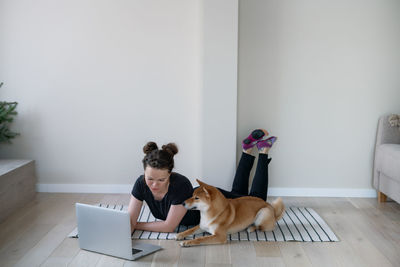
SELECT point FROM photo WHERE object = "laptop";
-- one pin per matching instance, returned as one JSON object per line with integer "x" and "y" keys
{"x": 108, "y": 231}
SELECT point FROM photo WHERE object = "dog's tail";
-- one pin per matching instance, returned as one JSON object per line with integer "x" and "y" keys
{"x": 279, "y": 208}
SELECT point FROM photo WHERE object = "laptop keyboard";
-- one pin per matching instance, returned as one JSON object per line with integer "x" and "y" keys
{"x": 134, "y": 251}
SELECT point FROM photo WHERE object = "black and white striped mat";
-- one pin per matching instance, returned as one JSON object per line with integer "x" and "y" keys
{"x": 297, "y": 224}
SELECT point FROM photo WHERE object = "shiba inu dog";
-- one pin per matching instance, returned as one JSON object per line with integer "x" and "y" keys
{"x": 221, "y": 216}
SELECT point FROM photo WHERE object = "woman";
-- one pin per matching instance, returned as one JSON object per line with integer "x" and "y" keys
{"x": 164, "y": 191}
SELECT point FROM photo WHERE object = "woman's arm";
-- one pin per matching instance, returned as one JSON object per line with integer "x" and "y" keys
{"x": 175, "y": 215}
{"x": 135, "y": 205}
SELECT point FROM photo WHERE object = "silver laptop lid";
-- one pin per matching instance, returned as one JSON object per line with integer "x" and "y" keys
{"x": 104, "y": 230}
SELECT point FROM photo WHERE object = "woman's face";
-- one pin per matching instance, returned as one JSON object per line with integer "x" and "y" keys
{"x": 157, "y": 179}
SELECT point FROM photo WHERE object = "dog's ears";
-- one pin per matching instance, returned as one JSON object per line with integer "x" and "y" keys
{"x": 200, "y": 182}
{"x": 206, "y": 191}
{"x": 203, "y": 186}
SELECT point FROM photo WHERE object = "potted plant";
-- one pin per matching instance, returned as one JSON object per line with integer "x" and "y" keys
{"x": 7, "y": 113}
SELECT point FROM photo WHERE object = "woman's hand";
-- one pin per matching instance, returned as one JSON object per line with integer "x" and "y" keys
{"x": 135, "y": 205}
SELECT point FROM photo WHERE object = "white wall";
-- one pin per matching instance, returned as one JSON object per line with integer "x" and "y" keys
{"x": 96, "y": 80}
{"x": 318, "y": 74}
{"x": 219, "y": 120}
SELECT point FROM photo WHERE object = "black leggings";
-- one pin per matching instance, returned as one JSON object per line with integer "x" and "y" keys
{"x": 259, "y": 187}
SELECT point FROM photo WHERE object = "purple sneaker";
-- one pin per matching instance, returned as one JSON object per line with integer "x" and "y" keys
{"x": 266, "y": 143}
{"x": 253, "y": 138}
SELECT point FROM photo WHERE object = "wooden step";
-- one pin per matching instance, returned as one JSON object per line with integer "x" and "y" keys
{"x": 17, "y": 185}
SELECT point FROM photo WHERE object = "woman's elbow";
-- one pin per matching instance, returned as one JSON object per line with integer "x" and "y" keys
{"x": 169, "y": 228}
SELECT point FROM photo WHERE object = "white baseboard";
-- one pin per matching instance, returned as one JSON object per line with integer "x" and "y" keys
{"x": 322, "y": 192}
{"x": 272, "y": 191}
{"x": 85, "y": 188}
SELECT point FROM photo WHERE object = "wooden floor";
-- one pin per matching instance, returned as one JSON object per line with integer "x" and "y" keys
{"x": 36, "y": 235}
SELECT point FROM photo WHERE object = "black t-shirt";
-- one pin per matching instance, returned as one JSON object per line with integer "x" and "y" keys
{"x": 179, "y": 190}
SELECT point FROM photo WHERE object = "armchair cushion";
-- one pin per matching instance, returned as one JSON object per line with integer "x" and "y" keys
{"x": 388, "y": 160}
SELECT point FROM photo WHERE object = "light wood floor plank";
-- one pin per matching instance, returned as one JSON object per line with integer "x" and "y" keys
{"x": 107, "y": 261}
{"x": 369, "y": 234}
{"x": 239, "y": 249}
{"x": 383, "y": 233}
{"x": 16, "y": 249}
{"x": 352, "y": 228}
{"x": 218, "y": 265}
{"x": 169, "y": 255}
{"x": 63, "y": 254}
{"x": 42, "y": 250}
{"x": 28, "y": 230}
{"x": 267, "y": 249}
{"x": 270, "y": 262}
{"x": 18, "y": 221}
{"x": 85, "y": 259}
{"x": 218, "y": 254}
{"x": 192, "y": 256}
{"x": 65, "y": 215}
{"x": 293, "y": 254}
{"x": 339, "y": 253}
{"x": 268, "y": 254}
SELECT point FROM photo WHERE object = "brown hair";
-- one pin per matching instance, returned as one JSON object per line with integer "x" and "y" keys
{"x": 159, "y": 158}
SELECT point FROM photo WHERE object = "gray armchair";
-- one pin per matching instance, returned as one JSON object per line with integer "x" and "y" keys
{"x": 387, "y": 161}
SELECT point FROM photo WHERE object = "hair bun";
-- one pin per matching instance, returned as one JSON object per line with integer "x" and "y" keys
{"x": 170, "y": 148}
{"x": 150, "y": 146}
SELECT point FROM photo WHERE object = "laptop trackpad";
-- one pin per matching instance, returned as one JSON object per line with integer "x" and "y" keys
{"x": 134, "y": 251}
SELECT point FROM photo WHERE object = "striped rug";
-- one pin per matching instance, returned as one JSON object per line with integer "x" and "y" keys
{"x": 298, "y": 224}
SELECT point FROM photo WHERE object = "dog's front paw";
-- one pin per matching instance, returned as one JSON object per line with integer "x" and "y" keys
{"x": 179, "y": 237}
{"x": 185, "y": 244}
{"x": 251, "y": 229}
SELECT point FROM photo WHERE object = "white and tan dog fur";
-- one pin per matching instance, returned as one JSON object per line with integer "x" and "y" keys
{"x": 221, "y": 216}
